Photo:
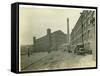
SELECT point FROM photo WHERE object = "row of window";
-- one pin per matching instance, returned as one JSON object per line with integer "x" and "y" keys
{"x": 85, "y": 37}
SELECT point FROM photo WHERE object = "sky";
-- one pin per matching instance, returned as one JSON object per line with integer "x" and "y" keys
{"x": 35, "y": 20}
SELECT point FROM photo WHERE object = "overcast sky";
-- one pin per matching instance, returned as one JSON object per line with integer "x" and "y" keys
{"x": 34, "y": 21}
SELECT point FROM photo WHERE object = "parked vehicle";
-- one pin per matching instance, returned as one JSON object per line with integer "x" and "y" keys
{"x": 77, "y": 48}
{"x": 89, "y": 52}
{"x": 80, "y": 50}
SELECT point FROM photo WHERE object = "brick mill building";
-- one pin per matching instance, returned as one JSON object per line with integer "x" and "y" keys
{"x": 51, "y": 41}
{"x": 84, "y": 32}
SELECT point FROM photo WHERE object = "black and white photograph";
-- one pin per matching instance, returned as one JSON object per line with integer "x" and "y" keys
{"x": 52, "y": 38}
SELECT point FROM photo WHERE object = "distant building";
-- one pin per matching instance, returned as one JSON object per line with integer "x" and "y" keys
{"x": 49, "y": 42}
{"x": 84, "y": 32}
{"x": 26, "y": 48}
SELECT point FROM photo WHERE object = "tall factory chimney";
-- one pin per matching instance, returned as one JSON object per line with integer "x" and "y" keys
{"x": 68, "y": 38}
{"x": 34, "y": 43}
{"x": 49, "y": 39}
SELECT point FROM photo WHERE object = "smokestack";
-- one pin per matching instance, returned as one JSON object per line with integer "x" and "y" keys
{"x": 34, "y": 40}
{"x": 68, "y": 31}
{"x": 34, "y": 43}
{"x": 49, "y": 39}
{"x": 48, "y": 31}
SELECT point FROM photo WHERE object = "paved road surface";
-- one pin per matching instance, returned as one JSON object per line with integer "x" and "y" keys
{"x": 61, "y": 60}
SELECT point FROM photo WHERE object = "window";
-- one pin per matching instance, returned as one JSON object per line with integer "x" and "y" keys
{"x": 89, "y": 33}
{"x": 88, "y": 21}
{"x": 92, "y": 20}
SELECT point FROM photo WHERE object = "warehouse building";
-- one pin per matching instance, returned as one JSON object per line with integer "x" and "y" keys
{"x": 49, "y": 42}
{"x": 84, "y": 32}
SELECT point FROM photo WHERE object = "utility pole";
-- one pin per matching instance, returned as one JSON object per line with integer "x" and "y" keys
{"x": 82, "y": 29}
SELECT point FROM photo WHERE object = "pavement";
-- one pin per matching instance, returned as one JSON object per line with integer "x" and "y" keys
{"x": 34, "y": 57}
{"x": 57, "y": 60}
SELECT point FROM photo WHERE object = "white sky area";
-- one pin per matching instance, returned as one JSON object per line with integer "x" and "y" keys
{"x": 34, "y": 21}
